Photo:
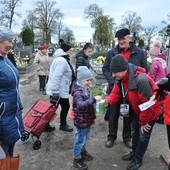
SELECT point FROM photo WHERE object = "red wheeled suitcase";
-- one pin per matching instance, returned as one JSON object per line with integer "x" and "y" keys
{"x": 36, "y": 120}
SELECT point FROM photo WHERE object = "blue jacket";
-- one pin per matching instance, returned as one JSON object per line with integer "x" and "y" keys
{"x": 137, "y": 57}
{"x": 11, "y": 124}
{"x": 84, "y": 112}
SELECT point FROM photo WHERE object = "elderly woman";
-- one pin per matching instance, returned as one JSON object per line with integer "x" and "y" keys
{"x": 11, "y": 125}
{"x": 42, "y": 64}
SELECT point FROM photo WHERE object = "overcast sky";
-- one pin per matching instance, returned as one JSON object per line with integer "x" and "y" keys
{"x": 152, "y": 12}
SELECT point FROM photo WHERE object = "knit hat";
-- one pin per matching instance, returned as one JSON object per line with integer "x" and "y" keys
{"x": 122, "y": 32}
{"x": 155, "y": 50}
{"x": 43, "y": 47}
{"x": 83, "y": 73}
{"x": 118, "y": 64}
{"x": 6, "y": 34}
{"x": 65, "y": 47}
{"x": 59, "y": 53}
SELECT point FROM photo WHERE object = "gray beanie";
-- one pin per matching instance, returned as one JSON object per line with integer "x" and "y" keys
{"x": 83, "y": 73}
{"x": 6, "y": 34}
{"x": 118, "y": 64}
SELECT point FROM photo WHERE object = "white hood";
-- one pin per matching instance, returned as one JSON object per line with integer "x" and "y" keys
{"x": 59, "y": 53}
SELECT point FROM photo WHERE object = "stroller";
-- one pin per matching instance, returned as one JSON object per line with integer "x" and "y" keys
{"x": 36, "y": 120}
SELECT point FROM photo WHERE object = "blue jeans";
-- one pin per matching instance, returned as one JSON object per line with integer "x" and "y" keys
{"x": 140, "y": 140}
{"x": 81, "y": 137}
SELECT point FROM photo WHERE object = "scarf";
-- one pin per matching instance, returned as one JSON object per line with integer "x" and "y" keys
{"x": 72, "y": 70}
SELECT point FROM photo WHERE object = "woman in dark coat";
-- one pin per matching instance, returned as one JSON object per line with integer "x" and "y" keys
{"x": 82, "y": 57}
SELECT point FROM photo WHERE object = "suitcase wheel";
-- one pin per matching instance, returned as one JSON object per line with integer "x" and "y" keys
{"x": 37, "y": 145}
{"x": 25, "y": 137}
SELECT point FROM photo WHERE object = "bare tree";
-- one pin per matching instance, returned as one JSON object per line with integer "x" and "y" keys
{"x": 8, "y": 11}
{"x": 93, "y": 11}
{"x": 68, "y": 36}
{"x": 131, "y": 21}
{"x": 59, "y": 27}
{"x": 149, "y": 33}
{"x": 163, "y": 32}
{"x": 47, "y": 16}
{"x": 30, "y": 20}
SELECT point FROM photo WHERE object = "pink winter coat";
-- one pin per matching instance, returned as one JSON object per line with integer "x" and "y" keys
{"x": 158, "y": 69}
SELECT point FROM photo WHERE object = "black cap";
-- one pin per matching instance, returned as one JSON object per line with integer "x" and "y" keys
{"x": 118, "y": 64}
{"x": 122, "y": 32}
{"x": 65, "y": 47}
{"x": 61, "y": 41}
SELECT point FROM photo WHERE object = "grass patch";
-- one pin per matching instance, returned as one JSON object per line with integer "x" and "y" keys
{"x": 96, "y": 90}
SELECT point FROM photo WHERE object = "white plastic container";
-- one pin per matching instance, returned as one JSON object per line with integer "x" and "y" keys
{"x": 100, "y": 108}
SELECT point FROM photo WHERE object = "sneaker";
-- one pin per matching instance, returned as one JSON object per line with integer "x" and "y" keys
{"x": 79, "y": 164}
{"x": 86, "y": 156}
{"x": 66, "y": 128}
{"x": 134, "y": 165}
{"x": 49, "y": 128}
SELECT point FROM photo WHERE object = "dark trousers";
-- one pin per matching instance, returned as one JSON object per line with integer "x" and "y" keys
{"x": 168, "y": 134}
{"x": 9, "y": 148}
{"x": 140, "y": 140}
{"x": 42, "y": 81}
{"x": 65, "y": 105}
{"x": 113, "y": 124}
{"x": 107, "y": 114}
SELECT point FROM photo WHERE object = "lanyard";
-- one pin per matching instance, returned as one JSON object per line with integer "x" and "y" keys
{"x": 124, "y": 93}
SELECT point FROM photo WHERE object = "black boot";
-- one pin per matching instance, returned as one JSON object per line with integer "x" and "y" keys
{"x": 135, "y": 164}
{"x": 49, "y": 128}
{"x": 128, "y": 157}
{"x": 66, "y": 128}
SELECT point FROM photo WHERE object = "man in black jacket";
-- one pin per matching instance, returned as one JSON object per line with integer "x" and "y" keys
{"x": 135, "y": 56}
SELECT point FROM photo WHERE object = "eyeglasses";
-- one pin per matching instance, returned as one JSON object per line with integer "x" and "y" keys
{"x": 89, "y": 80}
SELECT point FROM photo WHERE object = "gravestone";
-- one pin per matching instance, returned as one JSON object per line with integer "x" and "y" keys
{"x": 25, "y": 60}
{"x": 97, "y": 72}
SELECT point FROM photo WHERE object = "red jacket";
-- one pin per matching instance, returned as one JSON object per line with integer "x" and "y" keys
{"x": 167, "y": 110}
{"x": 140, "y": 88}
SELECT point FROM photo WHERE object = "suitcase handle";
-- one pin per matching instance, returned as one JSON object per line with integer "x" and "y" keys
{"x": 37, "y": 113}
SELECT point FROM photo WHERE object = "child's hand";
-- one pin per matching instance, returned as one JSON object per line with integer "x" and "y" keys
{"x": 106, "y": 103}
{"x": 98, "y": 98}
